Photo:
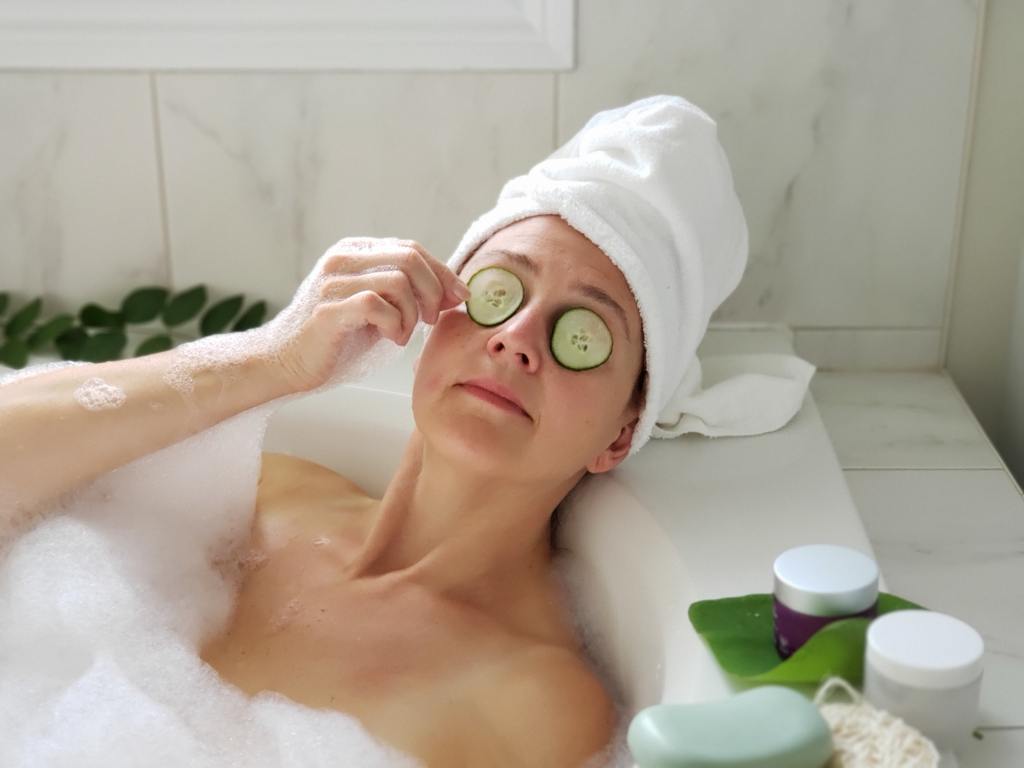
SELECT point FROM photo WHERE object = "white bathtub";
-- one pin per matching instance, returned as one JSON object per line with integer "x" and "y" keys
{"x": 683, "y": 520}
{"x": 686, "y": 519}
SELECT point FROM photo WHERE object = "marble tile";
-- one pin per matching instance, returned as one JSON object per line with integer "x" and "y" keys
{"x": 724, "y": 338}
{"x": 900, "y": 420}
{"x": 871, "y": 349}
{"x": 1002, "y": 748}
{"x": 844, "y": 125}
{"x": 267, "y": 171}
{"x": 953, "y": 541}
{"x": 79, "y": 193}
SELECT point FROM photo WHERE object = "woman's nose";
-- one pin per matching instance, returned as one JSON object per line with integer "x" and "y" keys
{"x": 521, "y": 336}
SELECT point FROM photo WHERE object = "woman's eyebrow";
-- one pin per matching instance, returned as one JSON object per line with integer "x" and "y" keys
{"x": 588, "y": 290}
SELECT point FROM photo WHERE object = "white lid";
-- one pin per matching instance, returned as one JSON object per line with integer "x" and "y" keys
{"x": 826, "y": 580}
{"x": 924, "y": 649}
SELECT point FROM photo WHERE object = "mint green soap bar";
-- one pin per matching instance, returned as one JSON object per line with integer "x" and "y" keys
{"x": 766, "y": 727}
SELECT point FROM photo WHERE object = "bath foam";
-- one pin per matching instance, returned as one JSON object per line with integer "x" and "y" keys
{"x": 105, "y": 606}
{"x": 363, "y": 352}
{"x": 9, "y": 377}
{"x": 616, "y": 753}
{"x": 97, "y": 395}
{"x": 106, "y": 603}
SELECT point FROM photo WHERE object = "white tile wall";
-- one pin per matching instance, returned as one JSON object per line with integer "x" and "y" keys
{"x": 870, "y": 349}
{"x": 266, "y": 171}
{"x": 79, "y": 195}
{"x": 844, "y": 124}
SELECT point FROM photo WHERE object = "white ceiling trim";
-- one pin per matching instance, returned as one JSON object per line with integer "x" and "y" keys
{"x": 445, "y": 35}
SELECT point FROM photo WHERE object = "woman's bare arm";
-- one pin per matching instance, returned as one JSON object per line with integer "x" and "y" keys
{"x": 51, "y": 444}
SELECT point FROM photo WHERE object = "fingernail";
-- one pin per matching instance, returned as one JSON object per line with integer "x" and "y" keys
{"x": 461, "y": 290}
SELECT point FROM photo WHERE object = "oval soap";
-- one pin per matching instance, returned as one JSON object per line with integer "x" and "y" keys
{"x": 766, "y": 727}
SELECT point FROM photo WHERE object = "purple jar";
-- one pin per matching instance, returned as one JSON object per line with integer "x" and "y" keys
{"x": 816, "y": 585}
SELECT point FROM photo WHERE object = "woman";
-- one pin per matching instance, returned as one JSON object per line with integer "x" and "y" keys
{"x": 430, "y": 614}
{"x": 439, "y": 597}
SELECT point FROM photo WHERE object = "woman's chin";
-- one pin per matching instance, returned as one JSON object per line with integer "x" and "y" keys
{"x": 474, "y": 438}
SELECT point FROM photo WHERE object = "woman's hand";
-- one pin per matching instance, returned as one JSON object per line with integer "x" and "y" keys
{"x": 382, "y": 284}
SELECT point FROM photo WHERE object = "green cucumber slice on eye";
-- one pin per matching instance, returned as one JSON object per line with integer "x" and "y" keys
{"x": 494, "y": 294}
{"x": 580, "y": 339}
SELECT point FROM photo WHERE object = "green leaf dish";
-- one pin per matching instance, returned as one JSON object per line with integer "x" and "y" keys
{"x": 739, "y": 632}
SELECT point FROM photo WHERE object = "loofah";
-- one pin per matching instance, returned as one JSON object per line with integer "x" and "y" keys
{"x": 867, "y": 737}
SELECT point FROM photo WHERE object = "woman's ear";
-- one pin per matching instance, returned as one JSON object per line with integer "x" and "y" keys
{"x": 613, "y": 455}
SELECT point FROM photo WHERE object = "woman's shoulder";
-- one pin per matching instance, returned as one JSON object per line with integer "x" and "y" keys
{"x": 553, "y": 709}
{"x": 283, "y": 473}
{"x": 298, "y": 494}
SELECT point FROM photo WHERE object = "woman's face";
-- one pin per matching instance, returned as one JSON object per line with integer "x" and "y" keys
{"x": 574, "y": 416}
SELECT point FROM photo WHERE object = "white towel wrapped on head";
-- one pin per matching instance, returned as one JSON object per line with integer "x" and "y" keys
{"x": 649, "y": 184}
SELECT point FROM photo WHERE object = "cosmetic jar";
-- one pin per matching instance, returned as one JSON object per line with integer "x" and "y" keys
{"x": 816, "y": 585}
{"x": 925, "y": 668}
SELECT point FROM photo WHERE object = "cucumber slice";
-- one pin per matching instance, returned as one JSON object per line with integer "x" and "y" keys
{"x": 494, "y": 294}
{"x": 580, "y": 339}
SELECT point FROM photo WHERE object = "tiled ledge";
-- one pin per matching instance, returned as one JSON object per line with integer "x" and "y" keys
{"x": 901, "y": 421}
{"x": 945, "y": 518}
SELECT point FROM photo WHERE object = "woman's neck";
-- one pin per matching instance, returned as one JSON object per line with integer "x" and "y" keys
{"x": 476, "y": 539}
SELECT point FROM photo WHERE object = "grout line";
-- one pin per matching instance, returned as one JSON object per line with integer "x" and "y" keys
{"x": 118, "y": 71}
{"x": 866, "y": 328}
{"x": 161, "y": 180}
{"x": 961, "y": 195}
{"x": 978, "y": 424}
{"x": 922, "y": 469}
{"x": 554, "y": 122}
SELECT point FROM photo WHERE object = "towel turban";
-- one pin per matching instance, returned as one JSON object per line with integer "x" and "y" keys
{"x": 650, "y": 184}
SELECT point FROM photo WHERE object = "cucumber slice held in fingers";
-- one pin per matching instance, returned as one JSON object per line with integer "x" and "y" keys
{"x": 494, "y": 294}
{"x": 580, "y": 339}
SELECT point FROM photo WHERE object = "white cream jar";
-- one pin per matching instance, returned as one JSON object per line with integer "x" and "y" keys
{"x": 925, "y": 668}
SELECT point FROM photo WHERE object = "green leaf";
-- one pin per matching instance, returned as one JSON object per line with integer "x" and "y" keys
{"x": 44, "y": 335}
{"x": 70, "y": 343}
{"x": 153, "y": 344}
{"x": 14, "y": 353}
{"x": 739, "y": 632}
{"x": 144, "y": 304}
{"x": 95, "y": 316}
{"x": 22, "y": 320}
{"x": 106, "y": 345}
{"x": 219, "y": 315}
{"x": 252, "y": 317}
{"x": 3, "y": 303}
{"x": 184, "y": 306}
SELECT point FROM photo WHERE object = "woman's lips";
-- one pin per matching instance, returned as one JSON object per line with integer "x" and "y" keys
{"x": 501, "y": 402}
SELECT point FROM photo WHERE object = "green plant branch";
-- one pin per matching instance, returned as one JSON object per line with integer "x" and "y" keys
{"x": 97, "y": 334}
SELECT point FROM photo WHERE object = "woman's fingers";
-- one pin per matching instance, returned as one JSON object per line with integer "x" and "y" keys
{"x": 451, "y": 282}
{"x": 359, "y": 282}
{"x": 363, "y": 308}
{"x": 382, "y": 314}
{"x": 432, "y": 283}
{"x": 396, "y": 287}
{"x": 392, "y": 284}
